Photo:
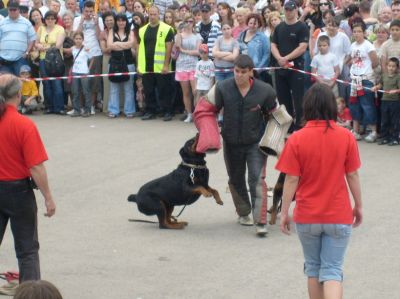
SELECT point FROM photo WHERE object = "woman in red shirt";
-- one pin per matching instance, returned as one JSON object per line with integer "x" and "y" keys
{"x": 318, "y": 160}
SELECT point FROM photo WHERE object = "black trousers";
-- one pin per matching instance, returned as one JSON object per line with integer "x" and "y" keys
{"x": 18, "y": 206}
{"x": 163, "y": 83}
{"x": 390, "y": 122}
{"x": 290, "y": 92}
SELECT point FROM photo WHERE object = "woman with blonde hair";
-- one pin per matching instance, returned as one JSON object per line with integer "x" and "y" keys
{"x": 274, "y": 19}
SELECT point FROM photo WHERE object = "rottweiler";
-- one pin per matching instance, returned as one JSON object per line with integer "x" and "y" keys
{"x": 183, "y": 186}
{"x": 277, "y": 198}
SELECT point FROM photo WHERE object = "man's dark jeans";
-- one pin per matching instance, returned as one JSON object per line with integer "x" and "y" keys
{"x": 18, "y": 204}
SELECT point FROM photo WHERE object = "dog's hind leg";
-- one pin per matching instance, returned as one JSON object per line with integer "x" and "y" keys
{"x": 171, "y": 219}
{"x": 164, "y": 217}
{"x": 215, "y": 194}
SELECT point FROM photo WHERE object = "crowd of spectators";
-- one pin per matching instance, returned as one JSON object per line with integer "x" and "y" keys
{"x": 358, "y": 42}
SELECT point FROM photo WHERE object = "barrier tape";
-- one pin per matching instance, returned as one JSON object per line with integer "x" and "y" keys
{"x": 290, "y": 67}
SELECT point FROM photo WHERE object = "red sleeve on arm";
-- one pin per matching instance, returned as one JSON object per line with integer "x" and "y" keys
{"x": 33, "y": 150}
{"x": 353, "y": 161}
{"x": 288, "y": 161}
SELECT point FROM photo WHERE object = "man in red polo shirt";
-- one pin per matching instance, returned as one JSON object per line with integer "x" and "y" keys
{"x": 21, "y": 167}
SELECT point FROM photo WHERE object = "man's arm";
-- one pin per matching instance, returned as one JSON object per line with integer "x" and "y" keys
{"x": 297, "y": 52}
{"x": 168, "y": 50}
{"x": 39, "y": 175}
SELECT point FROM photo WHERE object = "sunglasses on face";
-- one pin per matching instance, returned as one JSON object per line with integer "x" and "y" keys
{"x": 189, "y": 21}
{"x": 324, "y": 4}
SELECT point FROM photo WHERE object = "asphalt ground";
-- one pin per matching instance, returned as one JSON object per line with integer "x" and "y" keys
{"x": 90, "y": 250}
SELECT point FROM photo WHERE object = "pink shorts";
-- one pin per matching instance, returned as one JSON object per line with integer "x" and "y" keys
{"x": 184, "y": 76}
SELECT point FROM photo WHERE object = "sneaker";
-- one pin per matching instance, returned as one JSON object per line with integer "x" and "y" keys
{"x": 167, "y": 117}
{"x": 371, "y": 137}
{"x": 383, "y": 141}
{"x": 183, "y": 117}
{"x": 111, "y": 115}
{"x": 82, "y": 110}
{"x": 189, "y": 118}
{"x": 356, "y": 136}
{"x": 92, "y": 110}
{"x": 74, "y": 113}
{"x": 85, "y": 114}
{"x": 393, "y": 143}
{"x": 245, "y": 220}
{"x": 261, "y": 230}
{"x": 148, "y": 116}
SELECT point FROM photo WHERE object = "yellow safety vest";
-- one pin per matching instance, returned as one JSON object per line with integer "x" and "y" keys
{"x": 159, "y": 51}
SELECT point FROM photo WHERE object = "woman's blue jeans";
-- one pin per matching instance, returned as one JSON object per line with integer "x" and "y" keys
{"x": 53, "y": 91}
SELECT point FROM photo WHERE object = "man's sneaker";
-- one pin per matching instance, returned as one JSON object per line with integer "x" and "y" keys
{"x": 246, "y": 220}
{"x": 393, "y": 143}
{"x": 261, "y": 230}
{"x": 148, "y": 116}
{"x": 92, "y": 110}
{"x": 188, "y": 118}
{"x": 85, "y": 114}
{"x": 371, "y": 137}
{"x": 167, "y": 117}
{"x": 356, "y": 136}
{"x": 73, "y": 113}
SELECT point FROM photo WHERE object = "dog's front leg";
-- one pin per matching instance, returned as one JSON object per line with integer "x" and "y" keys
{"x": 202, "y": 191}
{"x": 215, "y": 194}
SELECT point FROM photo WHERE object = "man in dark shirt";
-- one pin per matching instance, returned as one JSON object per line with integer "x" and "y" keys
{"x": 289, "y": 43}
{"x": 155, "y": 66}
{"x": 246, "y": 103}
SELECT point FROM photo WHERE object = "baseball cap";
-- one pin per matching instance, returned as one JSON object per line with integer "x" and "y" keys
{"x": 203, "y": 49}
{"x": 25, "y": 69}
{"x": 13, "y": 4}
{"x": 205, "y": 7}
{"x": 290, "y": 5}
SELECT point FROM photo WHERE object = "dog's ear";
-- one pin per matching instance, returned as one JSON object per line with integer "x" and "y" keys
{"x": 194, "y": 146}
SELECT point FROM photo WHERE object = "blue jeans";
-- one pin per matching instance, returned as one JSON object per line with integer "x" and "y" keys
{"x": 53, "y": 91}
{"x": 364, "y": 110}
{"x": 324, "y": 246}
{"x": 81, "y": 85}
{"x": 129, "y": 103}
{"x": 13, "y": 67}
{"x": 219, "y": 76}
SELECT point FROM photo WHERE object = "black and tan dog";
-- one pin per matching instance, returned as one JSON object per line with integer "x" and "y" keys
{"x": 183, "y": 186}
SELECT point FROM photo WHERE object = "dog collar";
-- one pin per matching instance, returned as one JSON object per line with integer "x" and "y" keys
{"x": 193, "y": 165}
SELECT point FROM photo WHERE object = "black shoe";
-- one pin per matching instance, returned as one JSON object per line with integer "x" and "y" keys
{"x": 167, "y": 117}
{"x": 393, "y": 143}
{"x": 61, "y": 112}
{"x": 48, "y": 111}
{"x": 148, "y": 116}
{"x": 383, "y": 141}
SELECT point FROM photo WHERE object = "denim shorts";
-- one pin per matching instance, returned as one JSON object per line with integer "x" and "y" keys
{"x": 324, "y": 246}
{"x": 364, "y": 110}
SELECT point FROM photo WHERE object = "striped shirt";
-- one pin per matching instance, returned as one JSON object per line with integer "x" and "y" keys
{"x": 15, "y": 35}
{"x": 214, "y": 33}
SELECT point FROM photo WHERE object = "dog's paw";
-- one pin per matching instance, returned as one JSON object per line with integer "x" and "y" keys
{"x": 220, "y": 202}
{"x": 207, "y": 194}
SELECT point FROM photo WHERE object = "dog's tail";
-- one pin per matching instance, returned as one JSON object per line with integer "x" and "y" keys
{"x": 132, "y": 198}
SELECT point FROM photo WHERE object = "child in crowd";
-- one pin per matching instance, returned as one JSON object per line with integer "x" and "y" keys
{"x": 29, "y": 91}
{"x": 390, "y": 105}
{"x": 343, "y": 115}
{"x": 391, "y": 48}
{"x": 205, "y": 73}
{"x": 81, "y": 66}
{"x": 326, "y": 65}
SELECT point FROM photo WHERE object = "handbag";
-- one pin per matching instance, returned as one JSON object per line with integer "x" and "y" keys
{"x": 118, "y": 64}
{"x": 273, "y": 140}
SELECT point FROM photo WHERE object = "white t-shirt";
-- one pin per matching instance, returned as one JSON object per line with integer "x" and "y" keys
{"x": 81, "y": 62}
{"x": 325, "y": 64}
{"x": 205, "y": 70}
{"x": 89, "y": 31}
{"x": 339, "y": 45}
{"x": 361, "y": 63}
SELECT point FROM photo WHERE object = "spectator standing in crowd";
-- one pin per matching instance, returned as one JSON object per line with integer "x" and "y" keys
{"x": 154, "y": 59}
{"x": 326, "y": 65}
{"x": 17, "y": 38}
{"x": 362, "y": 104}
{"x": 38, "y": 4}
{"x": 81, "y": 66}
{"x": 120, "y": 41}
{"x": 225, "y": 51}
{"x": 48, "y": 36}
{"x": 255, "y": 43}
{"x": 162, "y": 6}
{"x": 129, "y": 9}
{"x": 139, "y": 7}
{"x": 265, "y": 13}
{"x": 385, "y": 16}
{"x": 55, "y": 6}
{"x": 209, "y": 30}
{"x": 91, "y": 26}
{"x": 21, "y": 165}
{"x": 109, "y": 21}
{"x": 36, "y": 18}
{"x": 241, "y": 17}
{"x": 224, "y": 13}
{"x": 187, "y": 44}
{"x": 73, "y": 7}
{"x": 278, "y": 4}
{"x": 290, "y": 84}
{"x": 390, "y": 105}
{"x": 106, "y": 5}
{"x": 321, "y": 163}
{"x": 274, "y": 20}
{"x": 391, "y": 48}
{"x": 205, "y": 73}
{"x": 246, "y": 101}
{"x": 68, "y": 21}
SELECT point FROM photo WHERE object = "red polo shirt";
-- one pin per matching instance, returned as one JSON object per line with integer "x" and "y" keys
{"x": 321, "y": 157}
{"x": 20, "y": 146}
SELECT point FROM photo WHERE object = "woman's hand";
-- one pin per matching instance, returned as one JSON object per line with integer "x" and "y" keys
{"x": 357, "y": 216}
{"x": 285, "y": 223}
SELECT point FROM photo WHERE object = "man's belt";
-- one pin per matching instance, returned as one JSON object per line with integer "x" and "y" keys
{"x": 17, "y": 185}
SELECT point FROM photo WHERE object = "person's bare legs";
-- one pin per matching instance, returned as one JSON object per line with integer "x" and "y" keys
{"x": 187, "y": 101}
{"x": 333, "y": 289}
{"x": 315, "y": 289}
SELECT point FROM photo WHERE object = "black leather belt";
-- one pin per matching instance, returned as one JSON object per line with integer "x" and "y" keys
{"x": 15, "y": 186}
